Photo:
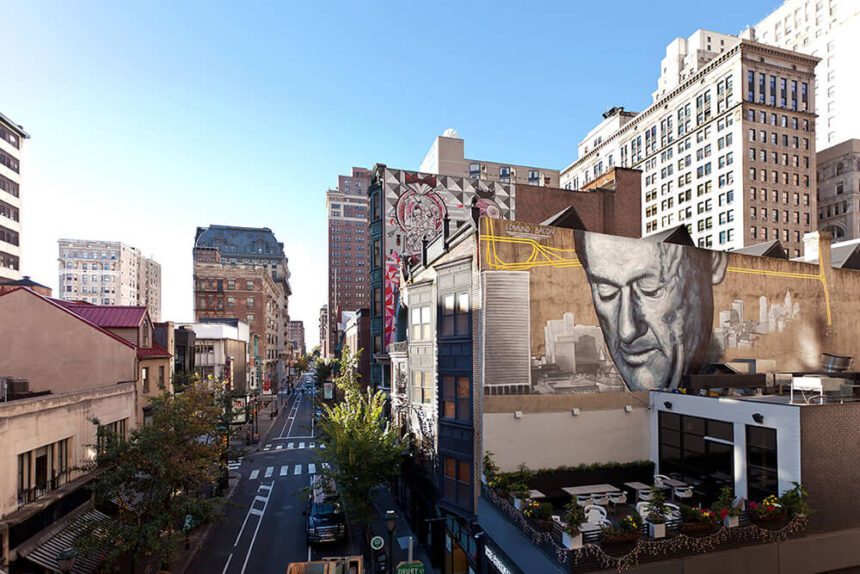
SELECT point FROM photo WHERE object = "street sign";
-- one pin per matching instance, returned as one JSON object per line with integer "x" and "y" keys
{"x": 410, "y": 568}
{"x": 377, "y": 542}
{"x": 189, "y": 523}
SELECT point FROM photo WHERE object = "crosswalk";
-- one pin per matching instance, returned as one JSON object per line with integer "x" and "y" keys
{"x": 292, "y": 446}
{"x": 234, "y": 464}
{"x": 285, "y": 470}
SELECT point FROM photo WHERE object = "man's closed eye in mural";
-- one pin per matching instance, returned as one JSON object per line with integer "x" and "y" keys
{"x": 655, "y": 305}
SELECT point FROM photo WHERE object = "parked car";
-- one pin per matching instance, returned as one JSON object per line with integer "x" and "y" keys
{"x": 325, "y": 519}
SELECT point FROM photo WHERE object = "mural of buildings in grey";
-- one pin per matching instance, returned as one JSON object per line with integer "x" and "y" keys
{"x": 735, "y": 331}
{"x": 576, "y": 360}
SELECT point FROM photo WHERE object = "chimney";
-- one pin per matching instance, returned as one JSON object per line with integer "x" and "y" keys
{"x": 817, "y": 243}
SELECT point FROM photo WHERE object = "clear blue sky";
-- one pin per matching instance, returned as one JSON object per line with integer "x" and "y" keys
{"x": 151, "y": 118}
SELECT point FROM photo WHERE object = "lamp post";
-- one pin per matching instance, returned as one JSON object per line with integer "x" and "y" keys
{"x": 390, "y": 524}
{"x": 66, "y": 559}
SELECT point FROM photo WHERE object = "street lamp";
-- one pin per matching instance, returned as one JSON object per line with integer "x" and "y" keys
{"x": 66, "y": 559}
{"x": 390, "y": 523}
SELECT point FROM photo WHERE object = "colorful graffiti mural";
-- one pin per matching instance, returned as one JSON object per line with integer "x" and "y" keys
{"x": 416, "y": 205}
{"x": 613, "y": 313}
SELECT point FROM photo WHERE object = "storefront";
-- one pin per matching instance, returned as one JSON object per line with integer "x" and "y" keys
{"x": 461, "y": 548}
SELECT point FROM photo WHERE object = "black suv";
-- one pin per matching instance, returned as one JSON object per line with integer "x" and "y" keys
{"x": 326, "y": 522}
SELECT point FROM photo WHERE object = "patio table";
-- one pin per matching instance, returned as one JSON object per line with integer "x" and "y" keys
{"x": 590, "y": 489}
{"x": 535, "y": 494}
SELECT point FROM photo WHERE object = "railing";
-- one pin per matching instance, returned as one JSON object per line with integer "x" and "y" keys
{"x": 28, "y": 495}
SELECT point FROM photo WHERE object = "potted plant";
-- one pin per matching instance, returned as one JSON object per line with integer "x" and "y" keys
{"x": 571, "y": 537}
{"x": 767, "y": 510}
{"x": 794, "y": 501}
{"x": 520, "y": 492}
{"x": 491, "y": 470}
{"x": 656, "y": 517}
{"x": 627, "y": 530}
{"x": 725, "y": 508}
{"x": 697, "y": 519}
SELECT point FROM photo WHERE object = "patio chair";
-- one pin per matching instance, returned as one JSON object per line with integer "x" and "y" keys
{"x": 600, "y": 499}
{"x": 659, "y": 481}
{"x": 595, "y": 514}
{"x": 616, "y": 498}
{"x": 583, "y": 499}
{"x": 683, "y": 492}
{"x": 645, "y": 494}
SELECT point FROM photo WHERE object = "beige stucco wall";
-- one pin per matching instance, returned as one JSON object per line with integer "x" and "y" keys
{"x": 602, "y": 431}
{"x": 28, "y": 424}
{"x": 57, "y": 351}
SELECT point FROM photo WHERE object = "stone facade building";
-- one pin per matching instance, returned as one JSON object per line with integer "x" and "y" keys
{"x": 11, "y": 137}
{"x": 839, "y": 190}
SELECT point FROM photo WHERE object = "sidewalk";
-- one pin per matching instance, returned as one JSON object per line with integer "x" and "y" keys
{"x": 383, "y": 500}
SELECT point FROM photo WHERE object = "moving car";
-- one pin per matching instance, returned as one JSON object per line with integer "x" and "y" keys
{"x": 325, "y": 519}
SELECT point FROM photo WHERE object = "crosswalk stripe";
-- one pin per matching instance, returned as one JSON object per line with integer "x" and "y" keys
{"x": 325, "y": 465}
{"x": 268, "y": 447}
{"x": 291, "y": 445}
{"x": 279, "y": 447}
{"x": 298, "y": 469}
{"x": 269, "y": 471}
{"x": 254, "y": 474}
{"x": 256, "y": 512}
{"x": 285, "y": 470}
{"x": 312, "y": 468}
{"x": 322, "y": 446}
{"x": 311, "y": 445}
{"x": 301, "y": 445}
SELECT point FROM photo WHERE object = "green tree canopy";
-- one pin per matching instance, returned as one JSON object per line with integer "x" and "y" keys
{"x": 362, "y": 448}
{"x": 155, "y": 475}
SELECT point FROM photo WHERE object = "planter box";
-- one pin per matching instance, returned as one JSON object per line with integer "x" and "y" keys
{"x": 657, "y": 530}
{"x": 730, "y": 521}
{"x": 572, "y": 542}
{"x": 689, "y": 527}
{"x": 769, "y": 518}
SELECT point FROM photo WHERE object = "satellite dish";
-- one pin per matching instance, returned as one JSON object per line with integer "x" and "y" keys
{"x": 450, "y": 133}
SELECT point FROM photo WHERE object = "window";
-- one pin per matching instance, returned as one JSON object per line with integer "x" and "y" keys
{"x": 144, "y": 376}
{"x": 762, "y": 476}
{"x": 420, "y": 323}
{"x": 697, "y": 448}
{"x": 249, "y": 317}
{"x": 161, "y": 376}
{"x": 474, "y": 170}
{"x": 456, "y": 395}
{"x": 249, "y": 302}
{"x": 458, "y": 481}
{"x": 422, "y": 387}
{"x": 42, "y": 470}
{"x": 115, "y": 430}
{"x": 249, "y": 285}
{"x": 231, "y": 301}
{"x": 455, "y": 315}
{"x": 377, "y": 253}
{"x": 377, "y": 301}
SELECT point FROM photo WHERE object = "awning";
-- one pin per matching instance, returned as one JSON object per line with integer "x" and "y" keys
{"x": 44, "y": 548}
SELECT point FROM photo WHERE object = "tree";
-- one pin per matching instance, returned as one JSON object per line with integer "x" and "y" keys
{"x": 155, "y": 477}
{"x": 302, "y": 364}
{"x": 324, "y": 369}
{"x": 362, "y": 449}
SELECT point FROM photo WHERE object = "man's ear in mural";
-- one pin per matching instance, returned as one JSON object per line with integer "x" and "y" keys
{"x": 719, "y": 262}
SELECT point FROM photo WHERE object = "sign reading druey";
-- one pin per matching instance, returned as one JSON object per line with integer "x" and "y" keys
{"x": 410, "y": 568}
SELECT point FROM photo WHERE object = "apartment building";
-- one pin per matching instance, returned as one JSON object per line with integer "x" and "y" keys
{"x": 323, "y": 325}
{"x": 727, "y": 148}
{"x": 446, "y": 156}
{"x": 296, "y": 337}
{"x": 839, "y": 190}
{"x": 348, "y": 251}
{"x": 829, "y": 30}
{"x": 11, "y": 138}
{"x": 108, "y": 273}
{"x": 242, "y": 272}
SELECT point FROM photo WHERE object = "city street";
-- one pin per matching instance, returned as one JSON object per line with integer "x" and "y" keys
{"x": 262, "y": 528}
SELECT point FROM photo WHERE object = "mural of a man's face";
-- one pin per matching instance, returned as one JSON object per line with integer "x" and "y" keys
{"x": 654, "y": 302}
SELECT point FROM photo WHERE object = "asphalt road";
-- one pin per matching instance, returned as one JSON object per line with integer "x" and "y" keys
{"x": 262, "y": 528}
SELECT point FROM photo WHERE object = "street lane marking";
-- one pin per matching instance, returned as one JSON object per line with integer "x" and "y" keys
{"x": 279, "y": 447}
{"x": 256, "y": 512}
{"x": 257, "y": 529}
{"x": 265, "y": 487}
{"x": 298, "y": 469}
{"x": 301, "y": 445}
{"x": 285, "y": 470}
{"x": 312, "y": 468}
{"x": 254, "y": 474}
{"x": 269, "y": 471}
{"x": 268, "y": 446}
{"x": 311, "y": 445}
{"x": 322, "y": 446}
{"x": 227, "y": 565}
{"x": 291, "y": 445}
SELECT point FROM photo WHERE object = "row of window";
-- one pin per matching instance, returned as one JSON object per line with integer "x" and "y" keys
{"x": 762, "y": 212}
{"x": 762, "y": 234}
{"x": 761, "y": 195}
{"x": 43, "y": 469}
{"x": 9, "y": 186}
{"x": 777, "y": 91}
{"x": 9, "y": 136}
{"x": 9, "y": 161}
{"x": 9, "y": 211}
{"x": 762, "y": 156}
{"x": 782, "y": 121}
{"x": 9, "y": 236}
{"x": 775, "y": 139}
{"x": 218, "y": 284}
{"x": 761, "y": 175}
{"x": 834, "y": 210}
{"x": 9, "y": 261}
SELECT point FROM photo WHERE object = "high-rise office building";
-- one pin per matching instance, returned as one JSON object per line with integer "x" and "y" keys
{"x": 108, "y": 273}
{"x": 727, "y": 147}
{"x": 348, "y": 254}
{"x": 296, "y": 337}
{"x": 829, "y": 30}
{"x": 11, "y": 137}
{"x": 243, "y": 273}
